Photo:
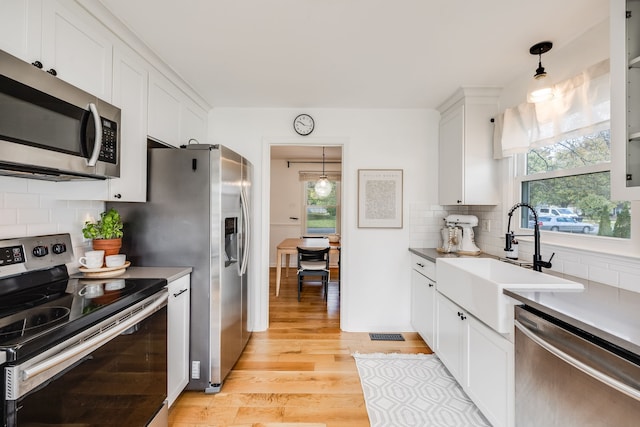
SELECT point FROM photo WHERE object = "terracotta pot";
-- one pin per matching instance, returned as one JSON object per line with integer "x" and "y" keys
{"x": 109, "y": 246}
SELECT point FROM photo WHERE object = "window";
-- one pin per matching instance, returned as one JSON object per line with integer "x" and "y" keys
{"x": 321, "y": 214}
{"x": 568, "y": 184}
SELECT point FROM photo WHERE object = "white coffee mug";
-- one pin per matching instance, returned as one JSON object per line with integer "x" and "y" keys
{"x": 92, "y": 290}
{"x": 115, "y": 260}
{"x": 92, "y": 259}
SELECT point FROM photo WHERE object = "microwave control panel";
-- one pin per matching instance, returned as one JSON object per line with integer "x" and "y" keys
{"x": 109, "y": 152}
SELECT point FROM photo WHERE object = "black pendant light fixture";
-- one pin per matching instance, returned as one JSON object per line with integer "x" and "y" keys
{"x": 323, "y": 186}
{"x": 540, "y": 89}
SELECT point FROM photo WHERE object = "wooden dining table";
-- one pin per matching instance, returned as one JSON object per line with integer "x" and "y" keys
{"x": 290, "y": 246}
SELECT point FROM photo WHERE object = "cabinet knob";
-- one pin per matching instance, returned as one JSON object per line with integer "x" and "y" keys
{"x": 117, "y": 196}
{"x": 37, "y": 64}
{"x": 431, "y": 285}
{"x": 459, "y": 201}
{"x": 420, "y": 264}
{"x": 462, "y": 317}
{"x": 52, "y": 72}
{"x": 459, "y": 314}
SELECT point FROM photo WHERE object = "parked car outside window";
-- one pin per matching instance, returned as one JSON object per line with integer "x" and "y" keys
{"x": 564, "y": 224}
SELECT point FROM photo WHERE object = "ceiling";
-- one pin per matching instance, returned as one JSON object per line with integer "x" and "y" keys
{"x": 350, "y": 53}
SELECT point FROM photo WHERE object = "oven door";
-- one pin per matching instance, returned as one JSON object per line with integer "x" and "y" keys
{"x": 113, "y": 374}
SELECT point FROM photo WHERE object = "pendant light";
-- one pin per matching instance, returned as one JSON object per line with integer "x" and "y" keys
{"x": 323, "y": 186}
{"x": 541, "y": 88}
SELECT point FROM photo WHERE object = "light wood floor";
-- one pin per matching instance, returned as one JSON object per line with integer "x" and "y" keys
{"x": 298, "y": 373}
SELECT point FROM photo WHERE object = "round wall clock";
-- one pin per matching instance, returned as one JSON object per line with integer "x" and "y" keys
{"x": 303, "y": 124}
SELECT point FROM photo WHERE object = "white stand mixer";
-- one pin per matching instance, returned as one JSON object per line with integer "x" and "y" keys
{"x": 466, "y": 245}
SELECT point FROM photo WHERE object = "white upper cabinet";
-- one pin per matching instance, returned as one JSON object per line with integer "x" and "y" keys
{"x": 130, "y": 85}
{"x": 174, "y": 118}
{"x": 164, "y": 110}
{"x": 625, "y": 99}
{"x": 77, "y": 49}
{"x": 19, "y": 27}
{"x": 468, "y": 174}
{"x": 65, "y": 42}
{"x": 193, "y": 123}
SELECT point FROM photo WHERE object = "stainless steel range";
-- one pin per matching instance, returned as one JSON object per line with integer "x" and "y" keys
{"x": 70, "y": 357}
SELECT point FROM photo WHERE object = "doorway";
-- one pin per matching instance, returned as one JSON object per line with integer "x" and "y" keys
{"x": 296, "y": 210}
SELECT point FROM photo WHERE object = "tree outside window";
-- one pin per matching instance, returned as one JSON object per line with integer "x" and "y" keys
{"x": 571, "y": 180}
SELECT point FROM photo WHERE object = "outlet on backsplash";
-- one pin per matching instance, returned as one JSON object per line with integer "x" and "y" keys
{"x": 485, "y": 225}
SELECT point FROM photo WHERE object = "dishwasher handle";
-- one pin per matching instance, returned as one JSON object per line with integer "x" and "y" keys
{"x": 587, "y": 369}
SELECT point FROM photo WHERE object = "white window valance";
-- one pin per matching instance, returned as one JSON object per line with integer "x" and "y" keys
{"x": 580, "y": 105}
{"x": 315, "y": 175}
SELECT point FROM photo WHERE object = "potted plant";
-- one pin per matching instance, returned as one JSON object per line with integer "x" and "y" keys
{"x": 106, "y": 232}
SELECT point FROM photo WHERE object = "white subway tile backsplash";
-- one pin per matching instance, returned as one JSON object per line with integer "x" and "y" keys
{"x": 21, "y": 200}
{"x": 33, "y": 216}
{"x": 8, "y": 216}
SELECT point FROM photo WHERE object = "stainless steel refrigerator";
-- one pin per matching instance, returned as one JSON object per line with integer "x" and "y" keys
{"x": 197, "y": 214}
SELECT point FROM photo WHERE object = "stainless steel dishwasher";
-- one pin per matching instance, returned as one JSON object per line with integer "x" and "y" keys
{"x": 568, "y": 377}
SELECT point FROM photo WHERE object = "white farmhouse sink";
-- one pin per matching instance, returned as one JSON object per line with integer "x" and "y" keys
{"x": 476, "y": 284}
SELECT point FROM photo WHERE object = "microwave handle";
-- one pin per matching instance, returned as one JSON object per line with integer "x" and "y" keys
{"x": 98, "y": 144}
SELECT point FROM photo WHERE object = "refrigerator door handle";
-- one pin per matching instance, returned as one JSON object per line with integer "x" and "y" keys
{"x": 246, "y": 235}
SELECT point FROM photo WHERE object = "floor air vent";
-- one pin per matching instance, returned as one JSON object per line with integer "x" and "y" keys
{"x": 386, "y": 337}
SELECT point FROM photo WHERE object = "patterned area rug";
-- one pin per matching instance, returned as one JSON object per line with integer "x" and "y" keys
{"x": 413, "y": 390}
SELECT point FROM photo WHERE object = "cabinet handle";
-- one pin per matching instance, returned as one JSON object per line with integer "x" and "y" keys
{"x": 462, "y": 317}
{"x": 117, "y": 196}
{"x": 420, "y": 265}
{"x": 52, "y": 72}
{"x": 182, "y": 291}
{"x": 459, "y": 314}
{"x": 37, "y": 64}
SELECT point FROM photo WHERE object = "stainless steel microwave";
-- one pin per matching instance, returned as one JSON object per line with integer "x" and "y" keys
{"x": 52, "y": 130}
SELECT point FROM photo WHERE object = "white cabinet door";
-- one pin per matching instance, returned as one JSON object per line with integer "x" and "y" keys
{"x": 625, "y": 99}
{"x": 130, "y": 85}
{"x": 78, "y": 48}
{"x": 490, "y": 373}
{"x": 164, "y": 110}
{"x": 178, "y": 313}
{"x": 20, "y": 29}
{"x": 63, "y": 38}
{"x": 468, "y": 174}
{"x": 423, "y": 307}
{"x": 193, "y": 123}
{"x": 451, "y": 157}
{"x": 450, "y": 343}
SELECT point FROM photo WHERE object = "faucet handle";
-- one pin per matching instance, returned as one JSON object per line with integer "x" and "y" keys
{"x": 546, "y": 264}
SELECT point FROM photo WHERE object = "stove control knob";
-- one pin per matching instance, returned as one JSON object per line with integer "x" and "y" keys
{"x": 40, "y": 251}
{"x": 59, "y": 248}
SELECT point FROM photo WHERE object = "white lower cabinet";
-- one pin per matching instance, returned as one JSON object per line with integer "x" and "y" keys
{"x": 178, "y": 313}
{"x": 480, "y": 359}
{"x": 423, "y": 300}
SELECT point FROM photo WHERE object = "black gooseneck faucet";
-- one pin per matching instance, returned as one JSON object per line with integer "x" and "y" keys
{"x": 537, "y": 258}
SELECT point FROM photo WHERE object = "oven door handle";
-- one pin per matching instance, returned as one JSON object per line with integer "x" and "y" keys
{"x": 94, "y": 342}
{"x": 589, "y": 370}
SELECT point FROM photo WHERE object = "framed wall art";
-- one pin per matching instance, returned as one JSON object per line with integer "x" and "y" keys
{"x": 379, "y": 198}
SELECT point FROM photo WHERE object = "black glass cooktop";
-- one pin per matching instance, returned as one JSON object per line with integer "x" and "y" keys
{"x": 39, "y": 316}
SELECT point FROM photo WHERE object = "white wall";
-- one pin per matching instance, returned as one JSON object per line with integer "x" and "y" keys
{"x": 376, "y": 262}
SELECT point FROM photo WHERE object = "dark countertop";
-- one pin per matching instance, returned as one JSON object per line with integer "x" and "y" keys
{"x": 432, "y": 254}
{"x": 608, "y": 312}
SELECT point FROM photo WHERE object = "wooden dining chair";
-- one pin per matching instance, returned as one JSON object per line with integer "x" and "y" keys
{"x": 313, "y": 262}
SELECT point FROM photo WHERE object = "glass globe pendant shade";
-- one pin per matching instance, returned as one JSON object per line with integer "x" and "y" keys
{"x": 540, "y": 90}
{"x": 322, "y": 187}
